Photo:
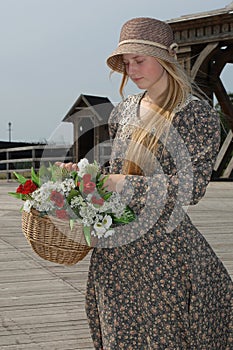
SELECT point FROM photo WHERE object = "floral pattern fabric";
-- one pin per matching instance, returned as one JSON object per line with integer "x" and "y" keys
{"x": 157, "y": 284}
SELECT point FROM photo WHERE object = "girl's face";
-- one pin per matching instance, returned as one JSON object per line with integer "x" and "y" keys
{"x": 144, "y": 71}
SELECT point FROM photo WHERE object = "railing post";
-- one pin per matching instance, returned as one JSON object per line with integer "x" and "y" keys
{"x": 33, "y": 158}
{"x": 8, "y": 174}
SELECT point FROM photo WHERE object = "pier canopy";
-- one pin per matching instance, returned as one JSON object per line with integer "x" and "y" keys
{"x": 205, "y": 43}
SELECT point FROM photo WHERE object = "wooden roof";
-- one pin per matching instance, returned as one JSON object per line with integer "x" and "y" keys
{"x": 204, "y": 27}
{"x": 100, "y": 107}
{"x": 227, "y": 10}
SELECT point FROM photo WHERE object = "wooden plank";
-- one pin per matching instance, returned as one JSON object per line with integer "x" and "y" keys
{"x": 42, "y": 305}
{"x": 39, "y": 309}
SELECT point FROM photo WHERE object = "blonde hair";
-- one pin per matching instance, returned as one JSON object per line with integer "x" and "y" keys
{"x": 155, "y": 125}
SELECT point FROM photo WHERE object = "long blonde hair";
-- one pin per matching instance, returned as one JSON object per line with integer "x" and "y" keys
{"x": 144, "y": 140}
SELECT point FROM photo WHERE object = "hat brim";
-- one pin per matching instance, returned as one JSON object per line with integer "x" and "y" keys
{"x": 115, "y": 60}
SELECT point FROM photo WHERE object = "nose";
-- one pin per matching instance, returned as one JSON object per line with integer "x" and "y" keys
{"x": 130, "y": 69}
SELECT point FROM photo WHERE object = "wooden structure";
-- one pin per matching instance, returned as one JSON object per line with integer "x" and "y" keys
{"x": 205, "y": 46}
{"x": 21, "y": 159}
{"x": 90, "y": 114}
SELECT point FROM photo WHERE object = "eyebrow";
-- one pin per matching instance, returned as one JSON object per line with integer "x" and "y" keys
{"x": 133, "y": 58}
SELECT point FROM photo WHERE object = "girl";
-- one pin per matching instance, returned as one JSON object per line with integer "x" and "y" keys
{"x": 157, "y": 284}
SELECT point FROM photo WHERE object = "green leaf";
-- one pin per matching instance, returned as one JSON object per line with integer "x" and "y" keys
{"x": 74, "y": 176}
{"x": 20, "y": 178}
{"x": 35, "y": 177}
{"x": 18, "y": 195}
{"x": 44, "y": 174}
{"x": 56, "y": 173}
{"x": 87, "y": 234}
{"x": 106, "y": 196}
{"x": 100, "y": 181}
{"x": 128, "y": 216}
{"x": 81, "y": 186}
{"x": 71, "y": 224}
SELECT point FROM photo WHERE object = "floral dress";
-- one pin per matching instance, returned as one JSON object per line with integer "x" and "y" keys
{"x": 156, "y": 283}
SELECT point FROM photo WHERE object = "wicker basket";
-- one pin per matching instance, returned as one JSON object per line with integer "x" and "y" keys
{"x": 53, "y": 240}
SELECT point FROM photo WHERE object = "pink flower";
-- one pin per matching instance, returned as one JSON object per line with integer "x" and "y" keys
{"x": 57, "y": 198}
{"x": 86, "y": 178}
{"x": 88, "y": 185}
{"x": 62, "y": 214}
{"x": 95, "y": 200}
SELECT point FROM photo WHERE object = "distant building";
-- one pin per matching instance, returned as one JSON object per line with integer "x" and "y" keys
{"x": 89, "y": 115}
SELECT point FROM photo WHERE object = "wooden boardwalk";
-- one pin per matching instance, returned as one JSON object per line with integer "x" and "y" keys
{"x": 42, "y": 304}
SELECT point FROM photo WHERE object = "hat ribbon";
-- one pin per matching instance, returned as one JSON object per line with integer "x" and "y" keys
{"x": 171, "y": 49}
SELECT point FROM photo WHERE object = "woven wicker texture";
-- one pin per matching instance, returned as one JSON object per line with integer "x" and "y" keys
{"x": 152, "y": 30}
{"x": 53, "y": 240}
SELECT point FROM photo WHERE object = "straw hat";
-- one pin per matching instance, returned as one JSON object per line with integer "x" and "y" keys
{"x": 144, "y": 36}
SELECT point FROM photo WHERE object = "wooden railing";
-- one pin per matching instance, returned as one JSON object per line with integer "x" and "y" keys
{"x": 21, "y": 159}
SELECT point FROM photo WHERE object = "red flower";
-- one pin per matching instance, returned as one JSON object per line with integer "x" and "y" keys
{"x": 27, "y": 188}
{"x": 86, "y": 178}
{"x": 88, "y": 185}
{"x": 62, "y": 214}
{"x": 57, "y": 198}
{"x": 95, "y": 200}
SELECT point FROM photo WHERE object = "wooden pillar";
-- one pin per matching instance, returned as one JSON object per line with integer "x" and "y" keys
{"x": 224, "y": 101}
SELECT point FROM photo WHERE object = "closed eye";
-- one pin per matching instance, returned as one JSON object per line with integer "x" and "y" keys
{"x": 136, "y": 61}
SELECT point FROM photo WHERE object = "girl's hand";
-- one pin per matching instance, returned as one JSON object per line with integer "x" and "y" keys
{"x": 115, "y": 182}
{"x": 67, "y": 166}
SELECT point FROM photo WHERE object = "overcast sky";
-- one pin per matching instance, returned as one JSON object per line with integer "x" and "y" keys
{"x": 54, "y": 50}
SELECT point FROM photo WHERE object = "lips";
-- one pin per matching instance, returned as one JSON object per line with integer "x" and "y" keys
{"x": 136, "y": 80}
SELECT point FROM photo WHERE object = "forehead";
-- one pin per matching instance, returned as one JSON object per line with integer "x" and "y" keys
{"x": 130, "y": 56}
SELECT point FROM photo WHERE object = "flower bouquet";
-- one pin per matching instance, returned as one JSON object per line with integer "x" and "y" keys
{"x": 65, "y": 213}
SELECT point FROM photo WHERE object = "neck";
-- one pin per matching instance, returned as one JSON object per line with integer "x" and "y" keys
{"x": 155, "y": 92}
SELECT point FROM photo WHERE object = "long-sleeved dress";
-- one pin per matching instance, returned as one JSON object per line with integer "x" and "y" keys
{"x": 157, "y": 284}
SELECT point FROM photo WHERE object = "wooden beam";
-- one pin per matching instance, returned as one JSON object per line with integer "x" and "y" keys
{"x": 221, "y": 57}
{"x": 224, "y": 101}
{"x": 202, "y": 57}
{"x": 227, "y": 172}
{"x": 223, "y": 155}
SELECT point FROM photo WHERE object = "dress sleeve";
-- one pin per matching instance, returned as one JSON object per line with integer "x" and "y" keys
{"x": 202, "y": 140}
{"x": 192, "y": 149}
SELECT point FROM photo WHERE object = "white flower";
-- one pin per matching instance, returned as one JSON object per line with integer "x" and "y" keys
{"x": 82, "y": 166}
{"x": 85, "y": 168}
{"x": 107, "y": 221}
{"x": 101, "y": 228}
{"x": 92, "y": 169}
{"x": 109, "y": 233}
{"x": 77, "y": 202}
{"x": 67, "y": 185}
{"x": 88, "y": 214}
{"x": 27, "y": 206}
{"x": 41, "y": 197}
{"x": 113, "y": 205}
